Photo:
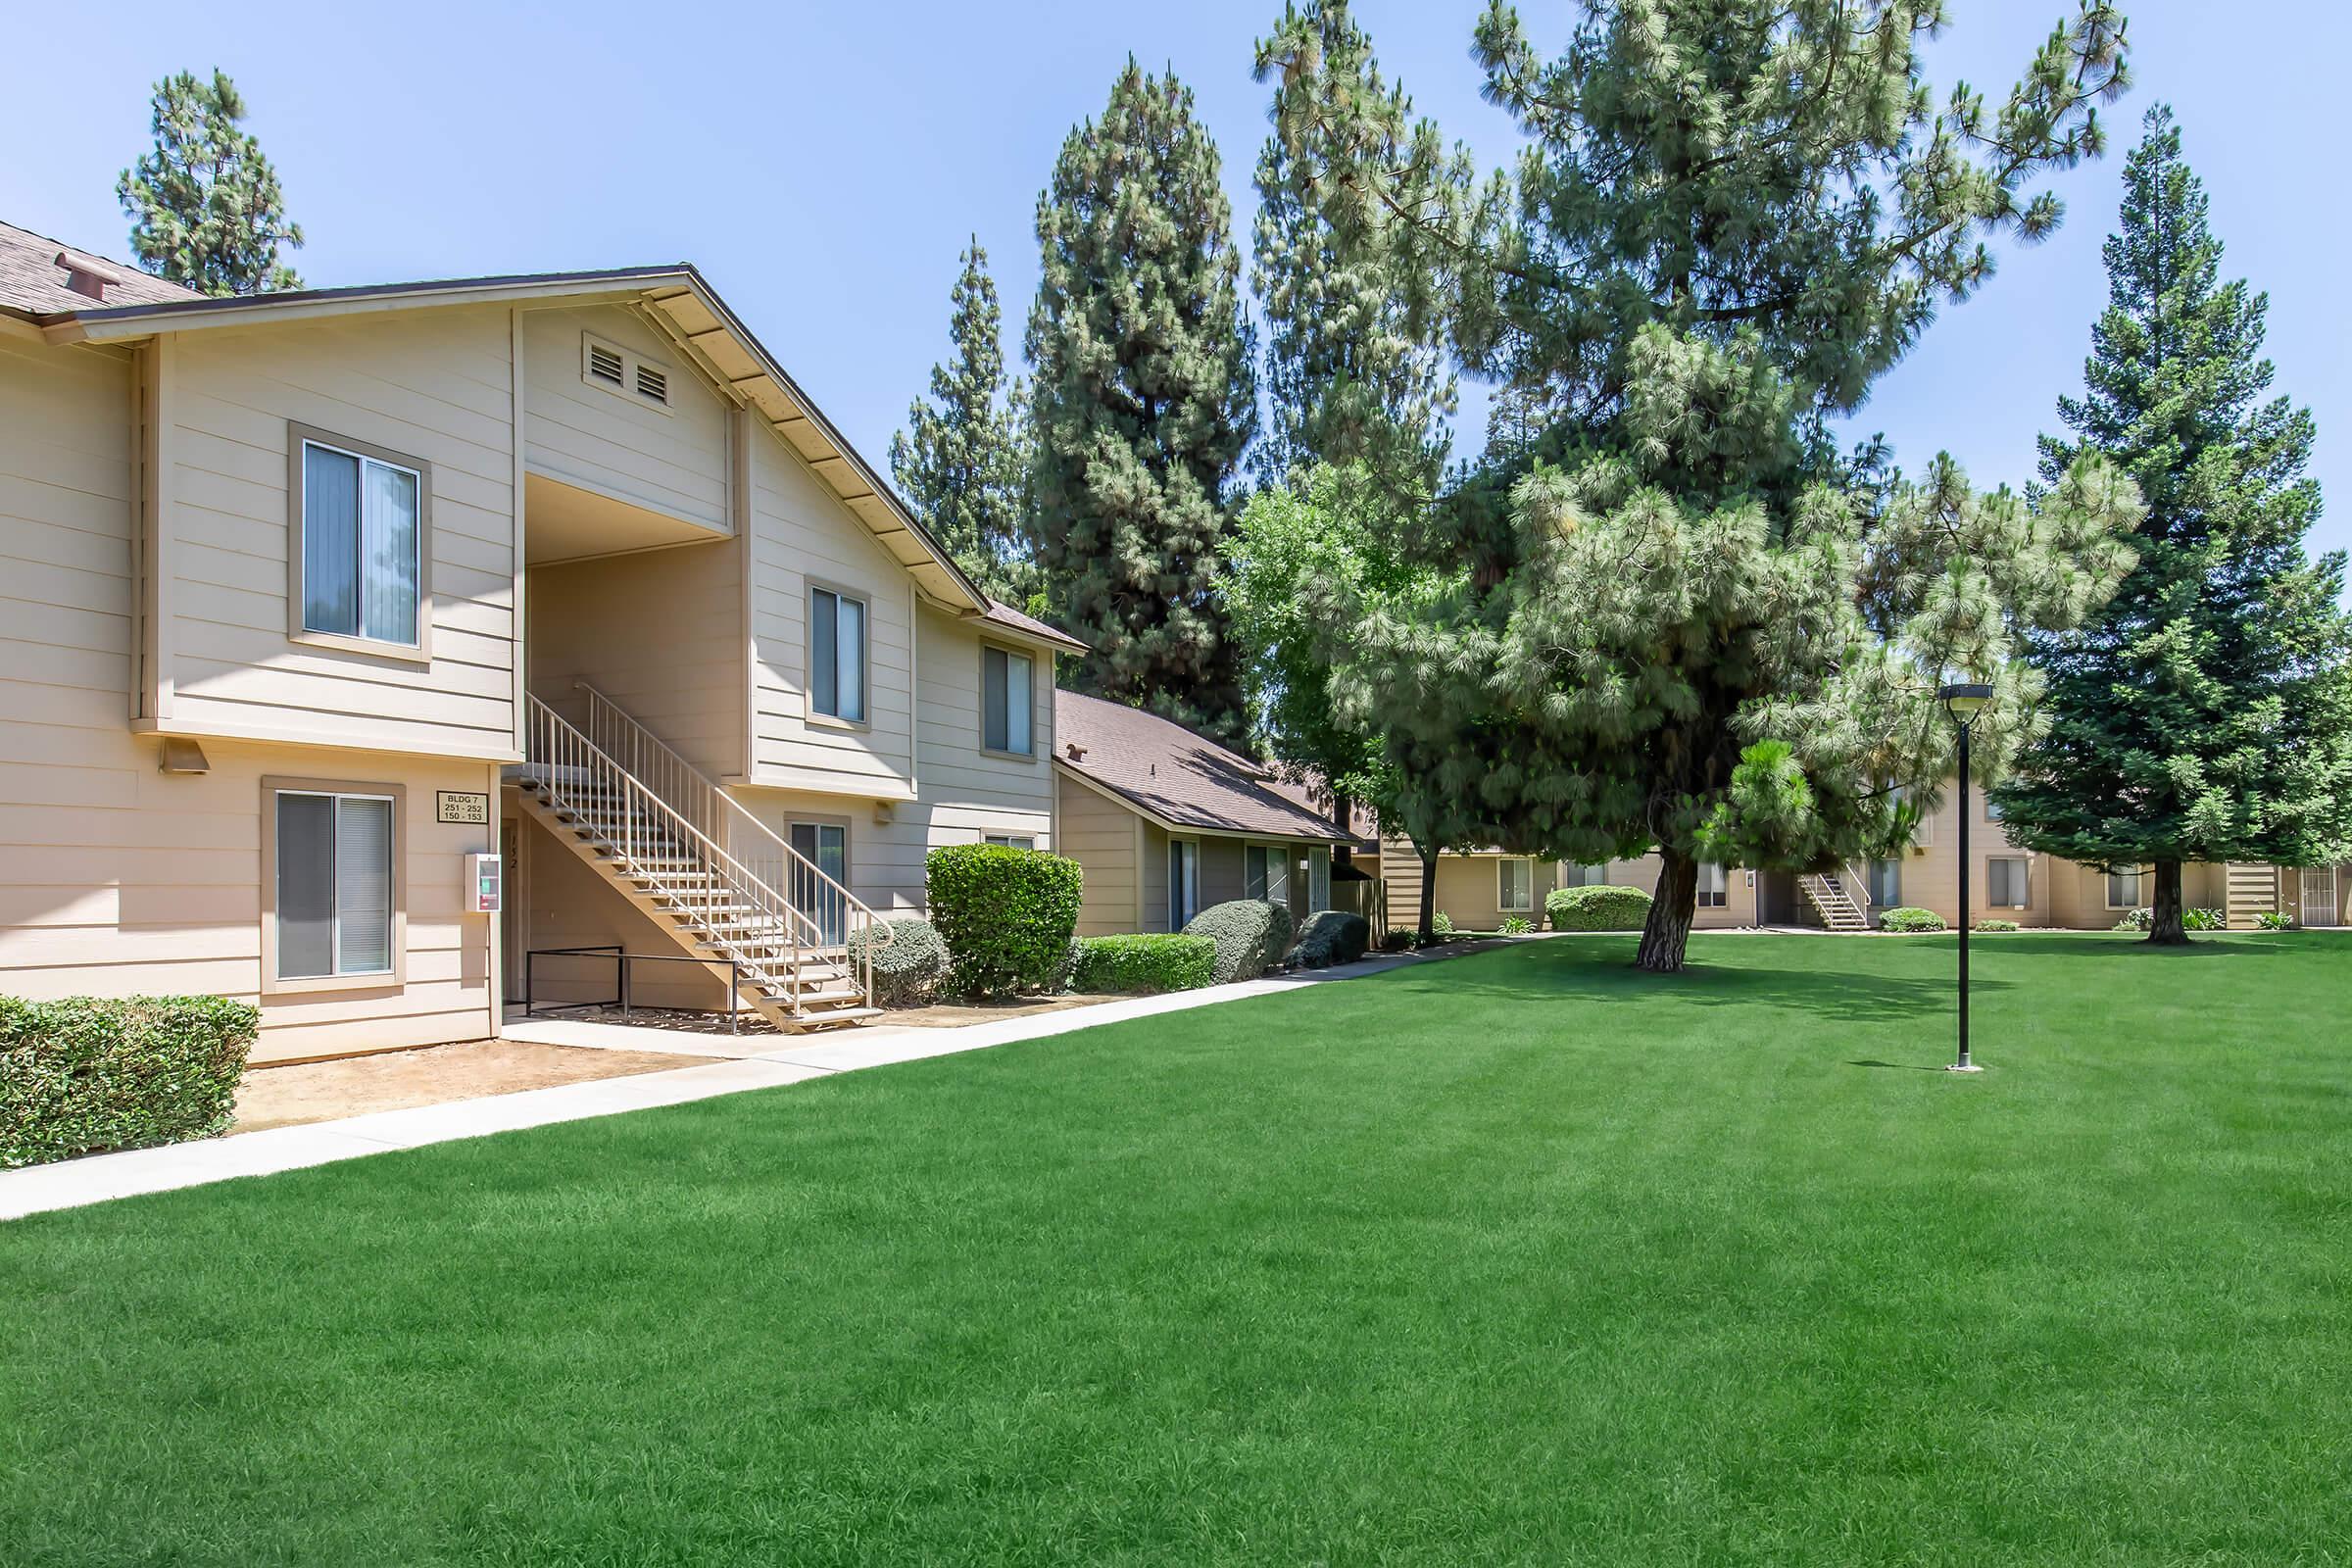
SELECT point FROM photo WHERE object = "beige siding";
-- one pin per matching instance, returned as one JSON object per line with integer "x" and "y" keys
{"x": 1155, "y": 879}
{"x": 565, "y": 903}
{"x": 802, "y": 534}
{"x": 966, "y": 787}
{"x": 659, "y": 633}
{"x": 616, "y": 443}
{"x": 431, "y": 385}
{"x": 1105, "y": 839}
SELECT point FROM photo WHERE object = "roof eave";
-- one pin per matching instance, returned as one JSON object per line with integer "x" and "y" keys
{"x": 1113, "y": 792}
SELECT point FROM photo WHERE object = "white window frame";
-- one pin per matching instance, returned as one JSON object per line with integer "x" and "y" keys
{"x": 2025, "y": 877}
{"x": 2108, "y": 879}
{"x": 416, "y": 648}
{"x": 632, "y": 362}
{"x": 1027, "y": 752}
{"x": 1011, "y": 840}
{"x": 863, "y": 718}
{"x": 337, "y": 790}
{"x": 1502, "y": 887}
{"x": 1714, "y": 886}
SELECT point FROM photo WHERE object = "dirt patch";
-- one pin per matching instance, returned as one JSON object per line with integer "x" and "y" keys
{"x": 956, "y": 1014}
{"x": 326, "y": 1091}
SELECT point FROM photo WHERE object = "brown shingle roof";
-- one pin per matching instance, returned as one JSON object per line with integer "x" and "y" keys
{"x": 31, "y": 281}
{"x": 1004, "y": 614}
{"x": 1172, "y": 774}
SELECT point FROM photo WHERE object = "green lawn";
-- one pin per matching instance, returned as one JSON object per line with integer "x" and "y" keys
{"x": 1521, "y": 1258}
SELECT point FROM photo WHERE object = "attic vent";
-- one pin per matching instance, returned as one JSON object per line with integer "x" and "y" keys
{"x": 87, "y": 275}
{"x": 624, "y": 372}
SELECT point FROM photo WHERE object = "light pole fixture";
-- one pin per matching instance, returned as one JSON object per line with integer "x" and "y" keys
{"x": 1963, "y": 703}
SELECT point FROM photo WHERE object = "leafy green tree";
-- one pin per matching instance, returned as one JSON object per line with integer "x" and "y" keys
{"x": 1730, "y": 217}
{"x": 205, "y": 205}
{"x": 1142, "y": 405}
{"x": 2206, "y": 715}
{"x": 1352, "y": 377}
{"x": 963, "y": 461}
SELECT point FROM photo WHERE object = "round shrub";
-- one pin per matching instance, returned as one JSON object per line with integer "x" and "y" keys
{"x": 86, "y": 1074}
{"x": 1996, "y": 925}
{"x": 1143, "y": 964}
{"x": 1332, "y": 936}
{"x": 909, "y": 965}
{"x": 1906, "y": 917}
{"x": 1005, "y": 915}
{"x": 1250, "y": 933}
{"x": 2138, "y": 920}
{"x": 1597, "y": 909}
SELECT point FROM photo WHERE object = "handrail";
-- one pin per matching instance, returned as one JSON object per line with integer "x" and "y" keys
{"x": 766, "y": 854}
{"x": 563, "y": 753}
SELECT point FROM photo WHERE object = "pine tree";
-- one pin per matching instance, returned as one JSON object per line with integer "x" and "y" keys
{"x": 962, "y": 459}
{"x": 205, "y": 205}
{"x": 1353, "y": 375}
{"x": 1142, "y": 404}
{"x": 1729, "y": 218}
{"x": 2207, "y": 713}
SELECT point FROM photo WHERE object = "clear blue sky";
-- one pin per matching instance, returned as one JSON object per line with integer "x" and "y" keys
{"x": 822, "y": 162}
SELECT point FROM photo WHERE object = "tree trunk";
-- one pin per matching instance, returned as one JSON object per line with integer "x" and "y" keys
{"x": 1667, "y": 932}
{"x": 1429, "y": 895}
{"x": 2166, "y": 928}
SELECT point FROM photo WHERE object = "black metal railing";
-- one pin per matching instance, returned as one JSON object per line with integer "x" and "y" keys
{"x": 621, "y": 960}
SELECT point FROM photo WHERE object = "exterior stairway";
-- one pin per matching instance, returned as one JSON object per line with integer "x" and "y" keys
{"x": 721, "y": 881}
{"x": 1834, "y": 899}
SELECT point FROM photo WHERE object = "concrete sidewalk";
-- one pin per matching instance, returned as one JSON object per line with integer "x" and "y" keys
{"x": 761, "y": 1062}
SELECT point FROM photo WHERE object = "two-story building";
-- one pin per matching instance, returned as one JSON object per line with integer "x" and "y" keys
{"x": 309, "y": 602}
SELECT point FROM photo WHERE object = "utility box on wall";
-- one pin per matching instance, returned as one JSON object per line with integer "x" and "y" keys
{"x": 485, "y": 884}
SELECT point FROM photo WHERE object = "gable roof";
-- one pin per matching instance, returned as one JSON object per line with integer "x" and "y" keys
{"x": 679, "y": 302}
{"x": 1006, "y": 618}
{"x": 33, "y": 284}
{"x": 1173, "y": 776}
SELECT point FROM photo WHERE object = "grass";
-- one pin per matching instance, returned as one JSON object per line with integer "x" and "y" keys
{"x": 1521, "y": 1258}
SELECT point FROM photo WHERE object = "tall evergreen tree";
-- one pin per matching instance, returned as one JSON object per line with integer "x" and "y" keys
{"x": 2207, "y": 713}
{"x": 1142, "y": 404}
{"x": 962, "y": 459}
{"x": 1680, "y": 619}
{"x": 1353, "y": 374}
{"x": 205, "y": 205}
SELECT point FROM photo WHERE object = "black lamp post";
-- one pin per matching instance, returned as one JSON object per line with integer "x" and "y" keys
{"x": 1964, "y": 703}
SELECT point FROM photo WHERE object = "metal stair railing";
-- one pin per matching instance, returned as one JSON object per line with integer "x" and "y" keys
{"x": 732, "y": 908}
{"x": 834, "y": 924}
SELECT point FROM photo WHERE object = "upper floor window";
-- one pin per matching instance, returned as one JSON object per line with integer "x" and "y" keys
{"x": 837, "y": 655}
{"x": 360, "y": 556}
{"x": 1006, "y": 700}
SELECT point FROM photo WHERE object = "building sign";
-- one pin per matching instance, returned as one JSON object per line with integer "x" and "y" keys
{"x": 457, "y": 806}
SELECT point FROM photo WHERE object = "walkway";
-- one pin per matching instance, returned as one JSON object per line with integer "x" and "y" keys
{"x": 766, "y": 1061}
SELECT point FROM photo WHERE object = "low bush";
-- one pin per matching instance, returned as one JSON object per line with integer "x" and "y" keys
{"x": 1996, "y": 925}
{"x": 1005, "y": 915}
{"x": 2275, "y": 920}
{"x": 1250, "y": 935}
{"x": 87, "y": 1075}
{"x": 2202, "y": 920}
{"x": 909, "y": 965}
{"x": 1597, "y": 909}
{"x": 1910, "y": 917}
{"x": 1149, "y": 963}
{"x": 1400, "y": 939}
{"x": 2138, "y": 920}
{"x": 1332, "y": 936}
{"x": 1441, "y": 925}
{"x": 1516, "y": 926}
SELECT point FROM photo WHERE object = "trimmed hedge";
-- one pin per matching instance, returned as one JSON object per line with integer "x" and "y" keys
{"x": 1996, "y": 925}
{"x": 87, "y": 1075}
{"x": 908, "y": 967}
{"x": 1250, "y": 933}
{"x": 1597, "y": 909}
{"x": 1146, "y": 963}
{"x": 1909, "y": 917}
{"x": 1332, "y": 936}
{"x": 1007, "y": 916}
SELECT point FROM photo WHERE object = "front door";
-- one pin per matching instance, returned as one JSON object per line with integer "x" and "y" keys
{"x": 2319, "y": 895}
{"x": 825, "y": 846}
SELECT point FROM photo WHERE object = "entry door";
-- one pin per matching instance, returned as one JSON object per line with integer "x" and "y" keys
{"x": 2319, "y": 895}
{"x": 826, "y": 846}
